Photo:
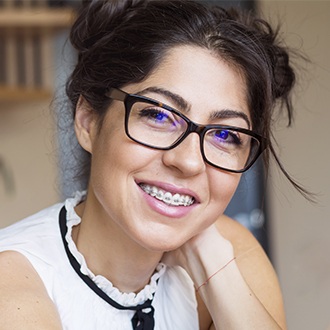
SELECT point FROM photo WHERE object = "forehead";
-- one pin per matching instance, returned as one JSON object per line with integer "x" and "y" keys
{"x": 204, "y": 80}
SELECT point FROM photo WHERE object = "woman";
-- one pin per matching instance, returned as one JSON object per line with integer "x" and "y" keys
{"x": 172, "y": 101}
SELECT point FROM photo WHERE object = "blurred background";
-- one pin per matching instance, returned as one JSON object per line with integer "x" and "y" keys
{"x": 35, "y": 60}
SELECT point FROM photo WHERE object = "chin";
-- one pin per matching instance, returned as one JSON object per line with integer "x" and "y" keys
{"x": 162, "y": 245}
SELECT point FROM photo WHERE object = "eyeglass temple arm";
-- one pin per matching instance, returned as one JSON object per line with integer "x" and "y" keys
{"x": 117, "y": 94}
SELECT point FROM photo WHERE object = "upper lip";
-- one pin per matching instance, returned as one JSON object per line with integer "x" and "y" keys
{"x": 173, "y": 189}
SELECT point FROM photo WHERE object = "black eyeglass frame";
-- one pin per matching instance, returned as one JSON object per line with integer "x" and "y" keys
{"x": 201, "y": 130}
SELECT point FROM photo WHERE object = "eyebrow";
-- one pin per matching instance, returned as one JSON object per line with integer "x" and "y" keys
{"x": 177, "y": 99}
{"x": 185, "y": 106}
{"x": 228, "y": 113}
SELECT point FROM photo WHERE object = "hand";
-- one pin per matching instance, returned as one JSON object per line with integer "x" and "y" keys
{"x": 202, "y": 255}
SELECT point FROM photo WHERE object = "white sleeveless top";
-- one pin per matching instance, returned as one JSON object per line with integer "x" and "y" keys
{"x": 39, "y": 239}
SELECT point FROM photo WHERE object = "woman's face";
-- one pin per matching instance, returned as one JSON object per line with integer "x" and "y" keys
{"x": 204, "y": 86}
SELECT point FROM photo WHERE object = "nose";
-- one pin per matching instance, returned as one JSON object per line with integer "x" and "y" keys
{"x": 186, "y": 157}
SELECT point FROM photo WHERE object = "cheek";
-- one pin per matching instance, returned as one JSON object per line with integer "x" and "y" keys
{"x": 222, "y": 188}
{"x": 116, "y": 158}
{"x": 107, "y": 157}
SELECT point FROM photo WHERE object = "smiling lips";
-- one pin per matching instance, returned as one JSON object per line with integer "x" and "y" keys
{"x": 167, "y": 197}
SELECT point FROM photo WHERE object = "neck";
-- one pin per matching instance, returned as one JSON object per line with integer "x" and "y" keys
{"x": 110, "y": 253}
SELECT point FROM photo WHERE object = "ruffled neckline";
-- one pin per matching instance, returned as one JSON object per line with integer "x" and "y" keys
{"x": 123, "y": 298}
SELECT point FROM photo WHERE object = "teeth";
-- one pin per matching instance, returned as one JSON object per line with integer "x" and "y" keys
{"x": 167, "y": 197}
{"x": 153, "y": 191}
{"x": 160, "y": 195}
{"x": 176, "y": 199}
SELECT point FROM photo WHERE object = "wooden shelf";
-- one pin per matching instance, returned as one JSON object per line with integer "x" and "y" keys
{"x": 8, "y": 94}
{"x": 28, "y": 56}
{"x": 36, "y": 17}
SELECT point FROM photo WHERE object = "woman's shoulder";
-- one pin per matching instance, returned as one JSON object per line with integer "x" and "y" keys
{"x": 241, "y": 238}
{"x": 24, "y": 302}
{"x": 33, "y": 242}
{"x": 45, "y": 216}
{"x": 33, "y": 233}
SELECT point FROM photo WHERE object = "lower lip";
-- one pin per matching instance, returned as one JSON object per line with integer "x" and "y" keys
{"x": 165, "y": 209}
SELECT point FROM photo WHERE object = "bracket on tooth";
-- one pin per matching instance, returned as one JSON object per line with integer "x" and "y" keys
{"x": 167, "y": 197}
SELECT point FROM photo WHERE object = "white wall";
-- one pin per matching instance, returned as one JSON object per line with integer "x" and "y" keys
{"x": 26, "y": 132}
{"x": 301, "y": 231}
{"x": 29, "y": 144}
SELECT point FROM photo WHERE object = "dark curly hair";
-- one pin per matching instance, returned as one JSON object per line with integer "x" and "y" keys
{"x": 122, "y": 41}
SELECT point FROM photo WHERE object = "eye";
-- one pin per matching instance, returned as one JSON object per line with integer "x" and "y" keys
{"x": 157, "y": 115}
{"x": 227, "y": 136}
{"x": 224, "y": 140}
{"x": 222, "y": 134}
{"x": 155, "y": 118}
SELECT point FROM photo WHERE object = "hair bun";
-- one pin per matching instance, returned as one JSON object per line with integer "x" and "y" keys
{"x": 283, "y": 74}
{"x": 98, "y": 18}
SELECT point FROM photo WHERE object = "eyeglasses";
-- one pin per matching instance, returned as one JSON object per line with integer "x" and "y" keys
{"x": 158, "y": 126}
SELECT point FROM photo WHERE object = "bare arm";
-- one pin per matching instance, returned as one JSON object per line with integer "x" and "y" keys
{"x": 24, "y": 302}
{"x": 243, "y": 295}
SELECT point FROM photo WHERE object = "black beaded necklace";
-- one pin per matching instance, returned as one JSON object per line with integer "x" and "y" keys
{"x": 143, "y": 318}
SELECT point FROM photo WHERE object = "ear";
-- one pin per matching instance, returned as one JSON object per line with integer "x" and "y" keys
{"x": 85, "y": 124}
